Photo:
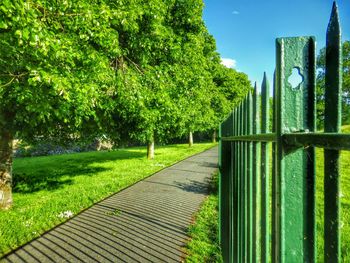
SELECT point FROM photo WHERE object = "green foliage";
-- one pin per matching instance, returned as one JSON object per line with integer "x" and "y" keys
{"x": 53, "y": 74}
{"x": 47, "y": 187}
{"x": 232, "y": 87}
{"x": 73, "y": 68}
{"x": 320, "y": 81}
{"x": 165, "y": 84}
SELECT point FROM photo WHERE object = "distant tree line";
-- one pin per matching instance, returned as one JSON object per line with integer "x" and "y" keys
{"x": 321, "y": 64}
{"x": 126, "y": 69}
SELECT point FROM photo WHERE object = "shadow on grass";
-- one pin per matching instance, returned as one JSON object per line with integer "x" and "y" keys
{"x": 51, "y": 172}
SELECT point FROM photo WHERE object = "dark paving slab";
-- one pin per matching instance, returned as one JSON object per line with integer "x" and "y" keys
{"x": 146, "y": 222}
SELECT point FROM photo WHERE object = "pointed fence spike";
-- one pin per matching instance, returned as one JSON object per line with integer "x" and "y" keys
{"x": 273, "y": 174}
{"x": 256, "y": 178}
{"x": 265, "y": 189}
{"x": 332, "y": 123}
{"x": 265, "y": 95}
{"x": 333, "y": 74}
{"x": 333, "y": 28}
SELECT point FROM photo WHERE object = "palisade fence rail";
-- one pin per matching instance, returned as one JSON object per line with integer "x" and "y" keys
{"x": 245, "y": 141}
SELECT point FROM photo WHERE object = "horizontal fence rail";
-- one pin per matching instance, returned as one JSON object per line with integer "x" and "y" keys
{"x": 333, "y": 141}
{"x": 251, "y": 229}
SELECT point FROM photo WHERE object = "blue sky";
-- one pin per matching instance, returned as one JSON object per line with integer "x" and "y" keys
{"x": 245, "y": 30}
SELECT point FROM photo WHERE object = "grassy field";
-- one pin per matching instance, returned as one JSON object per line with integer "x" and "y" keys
{"x": 48, "y": 190}
{"x": 344, "y": 199}
{"x": 204, "y": 244}
{"x": 345, "y": 205}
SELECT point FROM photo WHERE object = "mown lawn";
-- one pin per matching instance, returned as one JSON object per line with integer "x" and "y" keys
{"x": 346, "y": 128}
{"x": 204, "y": 244}
{"x": 48, "y": 190}
{"x": 344, "y": 199}
{"x": 345, "y": 205}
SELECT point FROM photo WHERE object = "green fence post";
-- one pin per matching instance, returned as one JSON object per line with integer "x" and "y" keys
{"x": 232, "y": 191}
{"x": 225, "y": 208}
{"x": 256, "y": 178}
{"x": 236, "y": 189}
{"x": 243, "y": 195}
{"x": 250, "y": 179}
{"x": 240, "y": 187}
{"x": 274, "y": 207}
{"x": 295, "y": 171}
{"x": 265, "y": 190}
{"x": 220, "y": 184}
{"x": 245, "y": 181}
{"x": 332, "y": 123}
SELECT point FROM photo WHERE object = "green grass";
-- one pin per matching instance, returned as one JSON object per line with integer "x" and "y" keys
{"x": 345, "y": 204}
{"x": 48, "y": 190}
{"x": 204, "y": 244}
{"x": 346, "y": 129}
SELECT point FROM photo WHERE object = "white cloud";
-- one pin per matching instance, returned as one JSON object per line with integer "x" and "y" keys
{"x": 235, "y": 12}
{"x": 228, "y": 62}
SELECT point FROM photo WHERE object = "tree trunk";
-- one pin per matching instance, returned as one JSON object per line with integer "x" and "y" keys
{"x": 150, "y": 150}
{"x": 6, "y": 151}
{"x": 190, "y": 139}
{"x": 98, "y": 144}
{"x": 214, "y": 137}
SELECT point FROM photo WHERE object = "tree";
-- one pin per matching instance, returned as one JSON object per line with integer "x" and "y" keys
{"x": 53, "y": 79}
{"x": 231, "y": 88}
{"x": 167, "y": 71}
{"x": 149, "y": 50}
{"x": 320, "y": 81}
{"x": 145, "y": 70}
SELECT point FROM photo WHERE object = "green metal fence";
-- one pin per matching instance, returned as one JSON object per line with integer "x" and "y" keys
{"x": 245, "y": 141}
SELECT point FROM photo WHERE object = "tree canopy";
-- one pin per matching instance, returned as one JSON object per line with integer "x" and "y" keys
{"x": 345, "y": 87}
{"x": 65, "y": 64}
{"x": 128, "y": 69}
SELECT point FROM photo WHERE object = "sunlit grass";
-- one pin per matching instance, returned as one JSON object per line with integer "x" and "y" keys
{"x": 48, "y": 190}
{"x": 346, "y": 129}
{"x": 344, "y": 200}
{"x": 204, "y": 244}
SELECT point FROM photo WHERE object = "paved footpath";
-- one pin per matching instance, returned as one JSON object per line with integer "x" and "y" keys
{"x": 146, "y": 222}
